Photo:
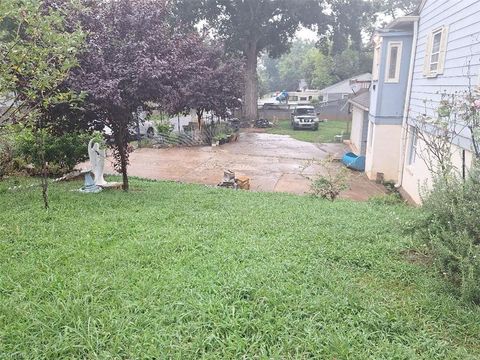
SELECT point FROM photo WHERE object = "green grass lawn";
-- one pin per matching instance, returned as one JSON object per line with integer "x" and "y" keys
{"x": 325, "y": 134}
{"x": 188, "y": 272}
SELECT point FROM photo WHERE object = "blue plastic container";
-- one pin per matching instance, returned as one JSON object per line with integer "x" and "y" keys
{"x": 355, "y": 162}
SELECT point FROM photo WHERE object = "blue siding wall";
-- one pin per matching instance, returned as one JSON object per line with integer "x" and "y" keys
{"x": 462, "y": 62}
{"x": 388, "y": 99}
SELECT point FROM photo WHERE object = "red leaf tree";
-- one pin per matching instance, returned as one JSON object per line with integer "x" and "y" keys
{"x": 133, "y": 56}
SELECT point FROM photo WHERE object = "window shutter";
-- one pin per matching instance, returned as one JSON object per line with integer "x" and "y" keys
{"x": 443, "y": 51}
{"x": 428, "y": 55}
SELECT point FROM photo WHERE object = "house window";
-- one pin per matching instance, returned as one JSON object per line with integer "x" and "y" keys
{"x": 303, "y": 98}
{"x": 293, "y": 98}
{"x": 436, "y": 49}
{"x": 412, "y": 148}
{"x": 435, "y": 56}
{"x": 394, "y": 56}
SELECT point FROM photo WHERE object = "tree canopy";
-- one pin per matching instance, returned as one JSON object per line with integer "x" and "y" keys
{"x": 37, "y": 53}
{"x": 305, "y": 61}
{"x": 252, "y": 26}
{"x": 136, "y": 55}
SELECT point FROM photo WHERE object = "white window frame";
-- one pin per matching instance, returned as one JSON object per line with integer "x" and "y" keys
{"x": 442, "y": 51}
{"x": 399, "y": 46}
{"x": 376, "y": 62}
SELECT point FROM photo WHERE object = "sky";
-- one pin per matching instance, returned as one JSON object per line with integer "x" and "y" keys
{"x": 306, "y": 34}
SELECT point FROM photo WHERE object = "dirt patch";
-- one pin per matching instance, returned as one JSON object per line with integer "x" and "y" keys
{"x": 417, "y": 257}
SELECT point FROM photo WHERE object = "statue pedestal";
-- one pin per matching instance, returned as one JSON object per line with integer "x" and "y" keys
{"x": 90, "y": 186}
{"x": 111, "y": 185}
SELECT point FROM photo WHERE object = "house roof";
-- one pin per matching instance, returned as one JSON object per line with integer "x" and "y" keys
{"x": 344, "y": 87}
{"x": 402, "y": 23}
{"x": 362, "y": 100}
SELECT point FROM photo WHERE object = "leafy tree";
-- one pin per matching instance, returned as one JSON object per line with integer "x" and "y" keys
{"x": 317, "y": 69}
{"x": 253, "y": 26}
{"x": 217, "y": 84}
{"x": 290, "y": 65}
{"x": 394, "y": 7}
{"x": 351, "y": 62}
{"x": 269, "y": 74}
{"x": 37, "y": 53}
{"x": 305, "y": 61}
{"x": 350, "y": 17}
{"x": 133, "y": 56}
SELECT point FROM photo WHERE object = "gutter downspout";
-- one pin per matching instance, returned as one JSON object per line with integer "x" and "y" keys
{"x": 404, "y": 136}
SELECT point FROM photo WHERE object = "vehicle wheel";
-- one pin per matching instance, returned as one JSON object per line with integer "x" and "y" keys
{"x": 150, "y": 133}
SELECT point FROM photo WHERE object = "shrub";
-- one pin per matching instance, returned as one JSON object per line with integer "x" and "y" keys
{"x": 62, "y": 152}
{"x": 7, "y": 153}
{"x": 387, "y": 199}
{"x": 164, "y": 128}
{"x": 331, "y": 180}
{"x": 449, "y": 225}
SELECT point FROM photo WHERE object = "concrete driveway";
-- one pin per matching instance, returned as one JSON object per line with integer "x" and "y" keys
{"x": 272, "y": 162}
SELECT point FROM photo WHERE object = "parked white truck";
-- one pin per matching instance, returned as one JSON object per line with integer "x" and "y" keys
{"x": 304, "y": 117}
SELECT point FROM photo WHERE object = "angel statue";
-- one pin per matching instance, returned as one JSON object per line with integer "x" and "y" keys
{"x": 97, "y": 161}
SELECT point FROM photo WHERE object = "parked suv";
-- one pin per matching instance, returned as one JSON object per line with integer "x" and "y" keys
{"x": 304, "y": 117}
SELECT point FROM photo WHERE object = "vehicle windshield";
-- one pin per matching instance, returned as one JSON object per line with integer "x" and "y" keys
{"x": 305, "y": 112}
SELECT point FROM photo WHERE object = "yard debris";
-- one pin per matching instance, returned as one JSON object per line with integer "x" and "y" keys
{"x": 74, "y": 175}
{"x": 230, "y": 181}
{"x": 243, "y": 182}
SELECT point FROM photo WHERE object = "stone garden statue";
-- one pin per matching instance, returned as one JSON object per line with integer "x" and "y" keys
{"x": 94, "y": 181}
{"x": 97, "y": 162}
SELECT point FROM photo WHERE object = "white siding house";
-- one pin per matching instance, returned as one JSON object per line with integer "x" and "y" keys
{"x": 446, "y": 60}
{"x": 436, "y": 52}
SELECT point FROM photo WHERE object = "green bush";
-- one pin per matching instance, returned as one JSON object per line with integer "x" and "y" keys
{"x": 387, "y": 199}
{"x": 330, "y": 182}
{"x": 7, "y": 153}
{"x": 450, "y": 226}
{"x": 62, "y": 152}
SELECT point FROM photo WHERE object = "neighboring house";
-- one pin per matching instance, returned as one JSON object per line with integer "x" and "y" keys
{"x": 334, "y": 99}
{"x": 346, "y": 88}
{"x": 417, "y": 58}
{"x": 393, "y": 49}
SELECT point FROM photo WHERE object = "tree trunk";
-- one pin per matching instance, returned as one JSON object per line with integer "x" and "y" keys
{"x": 250, "y": 104}
{"x": 199, "y": 118}
{"x": 123, "y": 164}
{"x": 121, "y": 144}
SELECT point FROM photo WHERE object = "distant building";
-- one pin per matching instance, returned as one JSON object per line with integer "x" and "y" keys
{"x": 345, "y": 88}
{"x": 334, "y": 99}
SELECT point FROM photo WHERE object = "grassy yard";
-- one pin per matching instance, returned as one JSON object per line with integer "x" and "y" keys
{"x": 325, "y": 134}
{"x": 188, "y": 272}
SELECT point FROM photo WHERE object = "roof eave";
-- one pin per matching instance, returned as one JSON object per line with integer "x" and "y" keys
{"x": 360, "y": 106}
{"x": 402, "y": 20}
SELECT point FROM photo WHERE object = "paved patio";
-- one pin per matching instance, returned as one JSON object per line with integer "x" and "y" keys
{"x": 272, "y": 162}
